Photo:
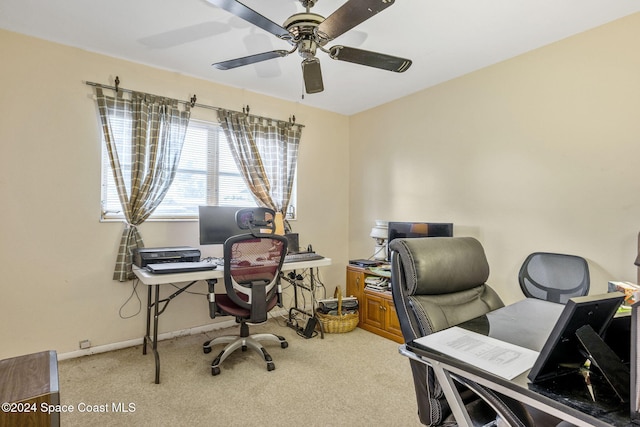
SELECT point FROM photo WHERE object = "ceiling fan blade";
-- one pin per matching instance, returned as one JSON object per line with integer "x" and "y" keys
{"x": 370, "y": 59}
{"x": 350, "y": 14}
{"x": 251, "y": 59}
{"x": 312, "y": 75}
{"x": 251, "y": 16}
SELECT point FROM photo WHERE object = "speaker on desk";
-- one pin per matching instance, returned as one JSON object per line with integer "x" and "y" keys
{"x": 293, "y": 244}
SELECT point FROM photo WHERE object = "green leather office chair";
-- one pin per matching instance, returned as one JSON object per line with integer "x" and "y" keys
{"x": 252, "y": 264}
{"x": 438, "y": 282}
{"x": 554, "y": 277}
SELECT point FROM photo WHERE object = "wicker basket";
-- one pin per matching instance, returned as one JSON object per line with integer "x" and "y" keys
{"x": 338, "y": 323}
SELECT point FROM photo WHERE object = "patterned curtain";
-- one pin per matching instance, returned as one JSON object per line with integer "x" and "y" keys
{"x": 266, "y": 153}
{"x": 144, "y": 135}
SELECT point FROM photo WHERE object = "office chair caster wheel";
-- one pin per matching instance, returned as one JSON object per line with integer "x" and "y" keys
{"x": 205, "y": 347}
{"x": 244, "y": 348}
{"x": 284, "y": 344}
{"x": 215, "y": 371}
{"x": 271, "y": 366}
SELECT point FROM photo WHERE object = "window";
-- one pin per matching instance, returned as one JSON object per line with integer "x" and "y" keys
{"x": 207, "y": 175}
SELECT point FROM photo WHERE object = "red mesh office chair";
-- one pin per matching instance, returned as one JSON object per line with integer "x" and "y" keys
{"x": 252, "y": 264}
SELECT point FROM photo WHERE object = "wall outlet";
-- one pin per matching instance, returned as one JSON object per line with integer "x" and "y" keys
{"x": 84, "y": 344}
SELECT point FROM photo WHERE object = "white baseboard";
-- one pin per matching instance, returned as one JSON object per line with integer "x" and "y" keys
{"x": 161, "y": 337}
{"x": 138, "y": 341}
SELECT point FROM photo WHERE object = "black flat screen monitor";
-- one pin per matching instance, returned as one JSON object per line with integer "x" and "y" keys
{"x": 562, "y": 353}
{"x": 217, "y": 224}
{"x": 404, "y": 230}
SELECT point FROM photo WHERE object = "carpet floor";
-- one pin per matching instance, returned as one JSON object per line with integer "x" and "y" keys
{"x": 351, "y": 379}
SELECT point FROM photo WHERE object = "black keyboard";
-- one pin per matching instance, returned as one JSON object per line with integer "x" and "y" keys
{"x": 180, "y": 267}
{"x": 302, "y": 256}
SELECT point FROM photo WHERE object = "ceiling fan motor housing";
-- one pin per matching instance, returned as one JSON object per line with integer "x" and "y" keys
{"x": 302, "y": 27}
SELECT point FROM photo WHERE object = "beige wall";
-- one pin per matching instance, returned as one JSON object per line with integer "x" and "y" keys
{"x": 538, "y": 153}
{"x": 56, "y": 258}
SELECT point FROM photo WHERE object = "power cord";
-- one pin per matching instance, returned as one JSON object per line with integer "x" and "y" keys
{"x": 134, "y": 292}
{"x": 189, "y": 292}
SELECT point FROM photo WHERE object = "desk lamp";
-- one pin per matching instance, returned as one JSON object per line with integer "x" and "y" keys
{"x": 381, "y": 234}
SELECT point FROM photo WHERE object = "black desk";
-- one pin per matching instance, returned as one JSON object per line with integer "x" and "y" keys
{"x": 526, "y": 323}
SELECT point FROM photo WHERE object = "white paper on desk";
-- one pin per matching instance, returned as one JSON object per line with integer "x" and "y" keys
{"x": 498, "y": 357}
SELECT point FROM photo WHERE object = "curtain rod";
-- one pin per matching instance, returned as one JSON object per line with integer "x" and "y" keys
{"x": 192, "y": 103}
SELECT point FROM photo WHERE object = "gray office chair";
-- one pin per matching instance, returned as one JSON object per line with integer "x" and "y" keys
{"x": 438, "y": 282}
{"x": 554, "y": 277}
{"x": 252, "y": 264}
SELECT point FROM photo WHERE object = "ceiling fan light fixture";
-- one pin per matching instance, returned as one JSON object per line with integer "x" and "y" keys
{"x": 312, "y": 75}
{"x": 307, "y": 49}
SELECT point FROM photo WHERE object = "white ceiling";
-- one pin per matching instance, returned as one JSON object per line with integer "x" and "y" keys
{"x": 444, "y": 38}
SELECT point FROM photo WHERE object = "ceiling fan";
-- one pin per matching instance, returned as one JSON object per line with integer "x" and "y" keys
{"x": 308, "y": 32}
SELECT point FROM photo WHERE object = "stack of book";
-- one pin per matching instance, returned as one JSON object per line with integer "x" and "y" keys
{"x": 379, "y": 284}
{"x": 630, "y": 290}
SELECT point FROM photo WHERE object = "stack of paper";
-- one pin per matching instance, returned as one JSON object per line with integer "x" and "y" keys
{"x": 492, "y": 355}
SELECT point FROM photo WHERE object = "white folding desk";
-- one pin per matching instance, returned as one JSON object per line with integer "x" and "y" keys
{"x": 154, "y": 281}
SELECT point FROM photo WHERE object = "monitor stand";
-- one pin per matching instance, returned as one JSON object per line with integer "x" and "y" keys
{"x": 601, "y": 355}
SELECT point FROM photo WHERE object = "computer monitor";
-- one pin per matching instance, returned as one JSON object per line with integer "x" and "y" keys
{"x": 404, "y": 230}
{"x": 563, "y": 353}
{"x": 217, "y": 224}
